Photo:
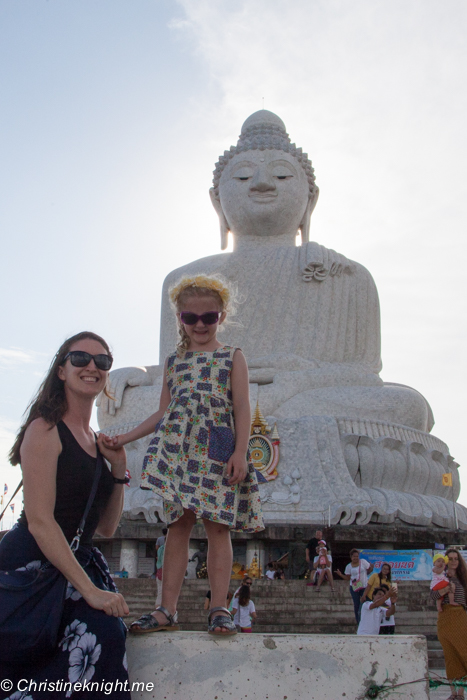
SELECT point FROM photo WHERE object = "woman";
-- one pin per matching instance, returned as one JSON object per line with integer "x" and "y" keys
{"x": 322, "y": 564}
{"x": 357, "y": 573}
{"x": 58, "y": 454}
{"x": 452, "y": 623}
{"x": 376, "y": 580}
{"x": 243, "y": 609}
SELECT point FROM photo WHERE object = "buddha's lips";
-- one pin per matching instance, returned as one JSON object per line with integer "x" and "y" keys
{"x": 262, "y": 197}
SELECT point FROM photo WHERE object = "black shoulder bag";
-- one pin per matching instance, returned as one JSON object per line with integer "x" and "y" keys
{"x": 32, "y": 601}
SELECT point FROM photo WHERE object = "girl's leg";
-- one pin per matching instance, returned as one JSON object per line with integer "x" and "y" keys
{"x": 175, "y": 562}
{"x": 219, "y": 563}
{"x": 330, "y": 579}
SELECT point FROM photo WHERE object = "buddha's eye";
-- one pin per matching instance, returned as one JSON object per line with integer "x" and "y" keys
{"x": 243, "y": 173}
{"x": 280, "y": 172}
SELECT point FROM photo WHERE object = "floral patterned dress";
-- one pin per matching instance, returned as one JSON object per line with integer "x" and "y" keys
{"x": 91, "y": 645}
{"x": 186, "y": 460}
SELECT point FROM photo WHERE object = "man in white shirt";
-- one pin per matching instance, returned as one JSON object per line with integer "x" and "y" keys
{"x": 373, "y": 612}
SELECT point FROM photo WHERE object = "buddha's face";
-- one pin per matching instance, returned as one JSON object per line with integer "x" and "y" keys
{"x": 264, "y": 193}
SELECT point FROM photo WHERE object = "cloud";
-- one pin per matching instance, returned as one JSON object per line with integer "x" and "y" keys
{"x": 16, "y": 356}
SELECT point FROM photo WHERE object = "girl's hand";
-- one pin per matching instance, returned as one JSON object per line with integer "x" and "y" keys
{"x": 115, "y": 455}
{"x": 237, "y": 468}
{"x": 112, "y": 443}
{"x": 111, "y": 603}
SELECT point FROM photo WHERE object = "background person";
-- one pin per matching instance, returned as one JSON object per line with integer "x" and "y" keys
{"x": 388, "y": 624}
{"x": 373, "y": 612}
{"x": 243, "y": 609}
{"x": 357, "y": 573}
{"x": 58, "y": 454}
{"x": 310, "y": 551}
{"x": 440, "y": 581}
{"x": 452, "y": 623}
{"x": 322, "y": 564}
{"x": 377, "y": 580}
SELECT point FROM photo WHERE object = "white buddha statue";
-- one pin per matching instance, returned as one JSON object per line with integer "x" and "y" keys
{"x": 309, "y": 326}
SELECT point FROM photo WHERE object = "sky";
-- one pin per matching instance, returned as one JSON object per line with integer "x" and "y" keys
{"x": 113, "y": 114}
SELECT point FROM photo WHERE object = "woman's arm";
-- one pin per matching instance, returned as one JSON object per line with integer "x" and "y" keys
{"x": 110, "y": 518}
{"x": 237, "y": 466}
{"x": 40, "y": 450}
{"x": 346, "y": 577}
{"x": 147, "y": 426}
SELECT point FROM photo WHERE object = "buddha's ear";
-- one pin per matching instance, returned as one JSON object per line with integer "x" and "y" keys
{"x": 225, "y": 228}
{"x": 304, "y": 227}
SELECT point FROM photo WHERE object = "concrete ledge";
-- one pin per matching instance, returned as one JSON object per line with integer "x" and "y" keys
{"x": 197, "y": 666}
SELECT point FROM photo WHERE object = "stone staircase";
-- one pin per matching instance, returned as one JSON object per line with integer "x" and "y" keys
{"x": 293, "y": 607}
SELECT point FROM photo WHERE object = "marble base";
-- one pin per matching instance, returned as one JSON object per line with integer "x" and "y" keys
{"x": 274, "y": 667}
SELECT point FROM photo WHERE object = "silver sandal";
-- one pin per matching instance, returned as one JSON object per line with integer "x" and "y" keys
{"x": 148, "y": 623}
{"x": 225, "y": 621}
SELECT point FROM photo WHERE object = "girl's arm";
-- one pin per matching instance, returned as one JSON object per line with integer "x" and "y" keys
{"x": 253, "y": 615}
{"x": 110, "y": 518}
{"x": 147, "y": 426}
{"x": 40, "y": 450}
{"x": 237, "y": 466}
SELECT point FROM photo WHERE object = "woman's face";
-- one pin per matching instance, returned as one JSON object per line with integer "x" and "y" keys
{"x": 453, "y": 560}
{"x": 355, "y": 558}
{"x": 86, "y": 381}
{"x": 385, "y": 570}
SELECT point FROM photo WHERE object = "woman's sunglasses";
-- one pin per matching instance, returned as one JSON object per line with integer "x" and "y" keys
{"x": 79, "y": 358}
{"x": 209, "y": 318}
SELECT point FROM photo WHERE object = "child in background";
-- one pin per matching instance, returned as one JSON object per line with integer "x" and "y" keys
{"x": 196, "y": 460}
{"x": 440, "y": 582}
{"x": 243, "y": 609}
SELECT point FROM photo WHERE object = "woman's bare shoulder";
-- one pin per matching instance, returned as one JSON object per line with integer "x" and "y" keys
{"x": 41, "y": 435}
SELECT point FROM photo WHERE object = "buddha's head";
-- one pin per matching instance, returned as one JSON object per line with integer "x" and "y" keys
{"x": 265, "y": 185}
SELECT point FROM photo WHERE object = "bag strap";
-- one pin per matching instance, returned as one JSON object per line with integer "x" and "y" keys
{"x": 97, "y": 475}
{"x": 17, "y": 489}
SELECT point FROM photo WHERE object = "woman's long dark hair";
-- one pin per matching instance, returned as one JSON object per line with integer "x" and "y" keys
{"x": 50, "y": 401}
{"x": 380, "y": 574}
{"x": 461, "y": 571}
{"x": 244, "y": 595}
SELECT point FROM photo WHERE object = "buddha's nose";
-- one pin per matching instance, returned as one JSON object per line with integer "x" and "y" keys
{"x": 262, "y": 181}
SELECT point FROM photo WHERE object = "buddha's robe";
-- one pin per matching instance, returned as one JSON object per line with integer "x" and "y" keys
{"x": 304, "y": 302}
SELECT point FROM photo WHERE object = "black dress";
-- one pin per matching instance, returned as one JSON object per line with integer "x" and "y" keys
{"x": 91, "y": 648}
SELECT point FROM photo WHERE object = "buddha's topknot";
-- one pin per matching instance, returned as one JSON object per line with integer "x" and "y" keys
{"x": 262, "y": 131}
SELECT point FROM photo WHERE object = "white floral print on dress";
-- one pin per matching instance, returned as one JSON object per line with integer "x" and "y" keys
{"x": 82, "y": 659}
{"x": 72, "y": 635}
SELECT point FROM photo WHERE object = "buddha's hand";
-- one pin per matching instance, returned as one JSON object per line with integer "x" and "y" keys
{"x": 262, "y": 370}
{"x": 119, "y": 379}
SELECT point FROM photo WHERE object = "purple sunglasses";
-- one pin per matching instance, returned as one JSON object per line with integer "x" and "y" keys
{"x": 209, "y": 318}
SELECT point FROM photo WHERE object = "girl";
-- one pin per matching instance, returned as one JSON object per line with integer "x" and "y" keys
{"x": 197, "y": 458}
{"x": 243, "y": 609}
{"x": 58, "y": 453}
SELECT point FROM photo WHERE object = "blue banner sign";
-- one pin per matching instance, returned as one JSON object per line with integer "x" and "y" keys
{"x": 406, "y": 564}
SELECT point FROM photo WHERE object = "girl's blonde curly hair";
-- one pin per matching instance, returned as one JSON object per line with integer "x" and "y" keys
{"x": 214, "y": 286}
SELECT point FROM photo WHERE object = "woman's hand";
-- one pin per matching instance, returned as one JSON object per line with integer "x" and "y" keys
{"x": 111, "y": 603}
{"x": 237, "y": 468}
